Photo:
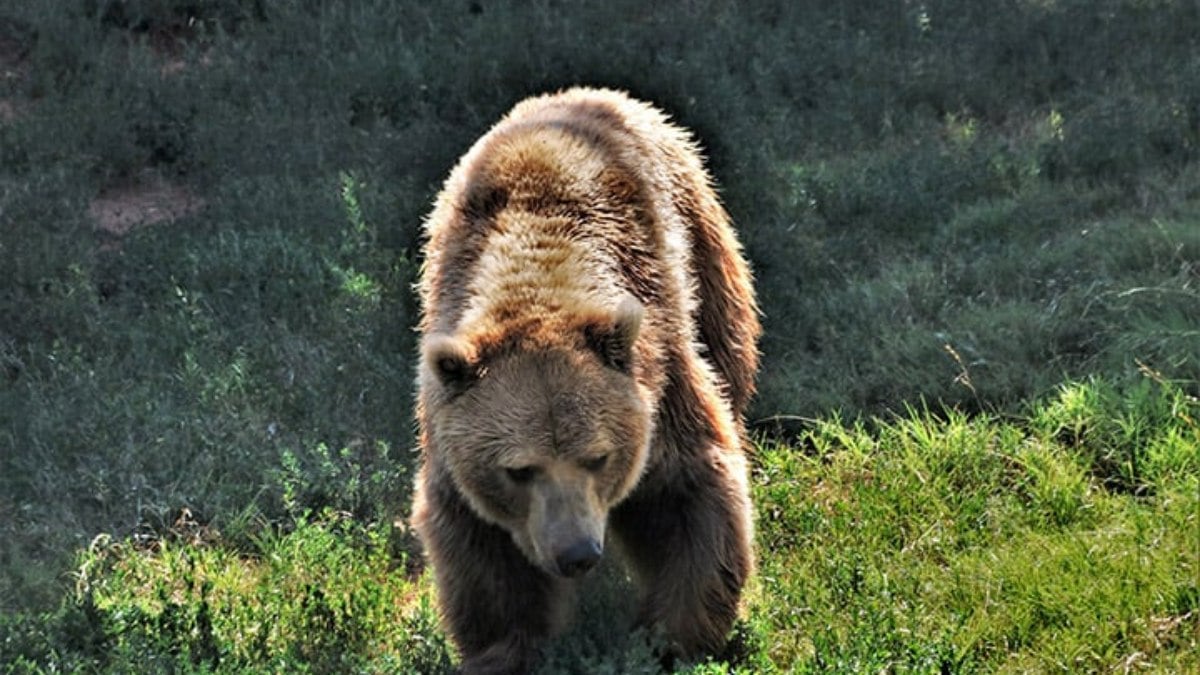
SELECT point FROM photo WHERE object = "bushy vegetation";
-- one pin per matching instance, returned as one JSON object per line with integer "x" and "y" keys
{"x": 952, "y": 209}
{"x": 322, "y": 597}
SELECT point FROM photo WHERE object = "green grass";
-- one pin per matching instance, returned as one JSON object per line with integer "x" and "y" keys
{"x": 974, "y": 544}
{"x": 934, "y": 543}
{"x": 952, "y": 209}
{"x": 324, "y": 596}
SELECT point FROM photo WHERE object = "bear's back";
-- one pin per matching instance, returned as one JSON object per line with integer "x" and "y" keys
{"x": 574, "y": 198}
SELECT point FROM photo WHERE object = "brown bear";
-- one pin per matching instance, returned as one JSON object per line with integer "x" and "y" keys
{"x": 589, "y": 345}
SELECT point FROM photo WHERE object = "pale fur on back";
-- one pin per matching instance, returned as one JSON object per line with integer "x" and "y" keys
{"x": 535, "y": 219}
{"x": 521, "y": 153}
{"x": 534, "y": 265}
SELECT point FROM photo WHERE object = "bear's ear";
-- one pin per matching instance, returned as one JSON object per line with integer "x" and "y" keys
{"x": 452, "y": 360}
{"x": 614, "y": 341}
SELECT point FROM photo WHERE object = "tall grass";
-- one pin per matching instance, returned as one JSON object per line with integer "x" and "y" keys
{"x": 957, "y": 544}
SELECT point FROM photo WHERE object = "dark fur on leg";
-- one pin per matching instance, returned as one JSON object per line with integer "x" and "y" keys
{"x": 497, "y": 606}
{"x": 689, "y": 549}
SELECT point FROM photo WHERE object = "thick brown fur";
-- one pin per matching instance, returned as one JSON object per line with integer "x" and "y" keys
{"x": 589, "y": 347}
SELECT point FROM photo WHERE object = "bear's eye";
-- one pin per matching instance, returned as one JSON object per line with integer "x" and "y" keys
{"x": 522, "y": 474}
{"x": 596, "y": 463}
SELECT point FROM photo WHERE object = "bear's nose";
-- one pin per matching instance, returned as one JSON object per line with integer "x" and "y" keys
{"x": 579, "y": 557}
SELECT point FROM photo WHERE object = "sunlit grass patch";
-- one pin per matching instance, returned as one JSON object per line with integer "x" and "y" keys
{"x": 1137, "y": 441}
{"x": 961, "y": 544}
{"x": 1082, "y": 599}
{"x": 326, "y": 596}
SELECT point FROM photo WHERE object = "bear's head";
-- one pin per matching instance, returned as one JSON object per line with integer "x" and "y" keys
{"x": 542, "y": 439}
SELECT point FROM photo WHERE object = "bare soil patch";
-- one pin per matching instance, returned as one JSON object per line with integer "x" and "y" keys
{"x": 147, "y": 199}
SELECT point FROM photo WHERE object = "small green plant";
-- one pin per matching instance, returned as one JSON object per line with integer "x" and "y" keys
{"x": 1134, "y": 440}
{"x": 365, "y": 482}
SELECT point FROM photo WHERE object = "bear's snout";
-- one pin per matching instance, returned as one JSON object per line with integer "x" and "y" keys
{"x": 579, "y": 557}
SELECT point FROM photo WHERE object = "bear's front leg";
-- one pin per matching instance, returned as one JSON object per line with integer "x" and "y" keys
{"x": 496, "y": 606}
{"x": 689, "y": 538}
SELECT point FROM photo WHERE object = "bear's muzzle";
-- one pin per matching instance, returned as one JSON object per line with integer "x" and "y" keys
{"x": 579, "y": 557}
